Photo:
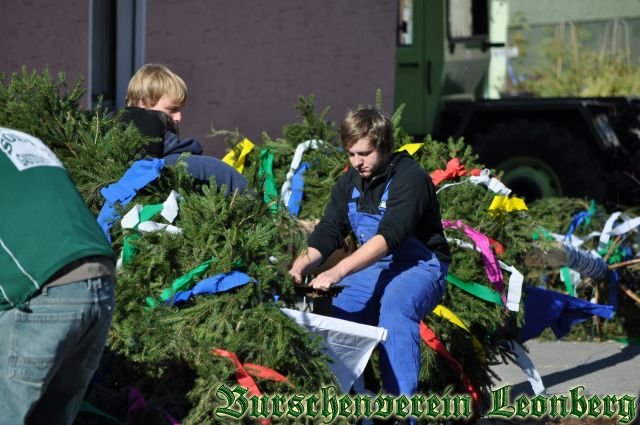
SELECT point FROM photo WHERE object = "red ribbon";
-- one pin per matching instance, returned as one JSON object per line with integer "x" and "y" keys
{"x": 265, "y": 373}
{"x": 454, "y": 169}
{"x": 430, "y": 338}
{"x": 497, "y": 246}
{"x": 244, "y": 372}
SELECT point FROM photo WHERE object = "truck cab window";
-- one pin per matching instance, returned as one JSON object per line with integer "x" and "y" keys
{"x": 405, "y": 22}
{"x": 467, "y": 19}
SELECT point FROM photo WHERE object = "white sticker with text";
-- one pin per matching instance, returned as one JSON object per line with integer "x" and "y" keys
{"x": 26, "y": 151}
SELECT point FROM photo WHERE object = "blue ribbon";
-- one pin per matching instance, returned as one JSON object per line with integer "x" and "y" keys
{"x": 140, "y": 174}
{"x": 297, "y": 189}
{"x": 212, "y": 285}
{"x": 543, "y": 308}
{"x": 578, "y": 219}
{"x": 613, "y": 289}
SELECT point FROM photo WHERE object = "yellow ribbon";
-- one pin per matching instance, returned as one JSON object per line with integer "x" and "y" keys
{"x": 410, "y": 147}
{"x": 507, "y": 204}
{"x": 445, "y": 313}
{"x": 244, "y": 147}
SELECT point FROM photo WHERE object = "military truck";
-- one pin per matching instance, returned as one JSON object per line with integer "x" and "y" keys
{"x": 578, "y": 147}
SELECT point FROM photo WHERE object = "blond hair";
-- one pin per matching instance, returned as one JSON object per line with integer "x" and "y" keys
{"x": 151, "y": 82}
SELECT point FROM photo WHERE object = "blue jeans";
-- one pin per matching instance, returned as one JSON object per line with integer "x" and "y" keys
{"x": 49, "y": 353}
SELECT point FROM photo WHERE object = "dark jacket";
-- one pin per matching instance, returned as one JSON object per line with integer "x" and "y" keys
{"x": 202, "y": 167}
{"x": 412, "y": 208}
{"x": 168, "y": 146}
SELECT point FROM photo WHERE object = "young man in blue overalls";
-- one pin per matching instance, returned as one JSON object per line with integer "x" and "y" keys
{"x": 397, "y": 275}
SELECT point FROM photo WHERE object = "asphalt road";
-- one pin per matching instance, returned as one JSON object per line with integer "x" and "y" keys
{"x": 602, "y": 368}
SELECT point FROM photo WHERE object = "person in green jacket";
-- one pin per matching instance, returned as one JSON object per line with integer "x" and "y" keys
{"x": 56, "y": 286}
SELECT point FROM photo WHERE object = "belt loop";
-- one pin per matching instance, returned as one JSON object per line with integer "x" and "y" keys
{"x": 97, "y": 282}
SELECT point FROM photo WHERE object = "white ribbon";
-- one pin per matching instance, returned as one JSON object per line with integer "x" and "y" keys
{"x": 526, "y": 365}
{"x": 285, "y": 192}
{"x": 492, "y": 183}
{"x": 575, "y": 241}
{"x": 484, "y": 178}
{"x": 514, "y": 293}
{"x": 606, "y": 230}
{"x": 627, "y": 226}
{"x": 464, "y": 244}
{"x": 348, "y": 344}
{"x": 169, "y": 212}
{"x": 516, "y": 279}
{"x": 449, "y": 185}
{"x": 170, "y": 206}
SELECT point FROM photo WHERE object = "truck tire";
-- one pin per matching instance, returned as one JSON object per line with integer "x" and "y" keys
{"x": 542, "y": 159}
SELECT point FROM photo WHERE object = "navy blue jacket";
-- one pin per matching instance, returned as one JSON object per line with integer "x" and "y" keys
{"x": 157, "y": 125}
{"x": 202, "y": 167}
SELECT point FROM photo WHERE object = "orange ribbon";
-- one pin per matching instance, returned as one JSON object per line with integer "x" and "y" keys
{"x": 430, "y": 338}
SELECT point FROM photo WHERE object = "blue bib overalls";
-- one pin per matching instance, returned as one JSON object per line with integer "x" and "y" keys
{"x": 395, "y": 293}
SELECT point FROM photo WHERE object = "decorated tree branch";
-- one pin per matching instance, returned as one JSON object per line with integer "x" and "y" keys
{"x": 202, "y": 275}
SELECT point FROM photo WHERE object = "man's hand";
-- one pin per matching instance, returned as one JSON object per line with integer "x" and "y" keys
{"x": 364, "y": 256}
{"x": 324, "y": 280}
{"x": 296, "y": 275}
{"x": 305, "y": 261}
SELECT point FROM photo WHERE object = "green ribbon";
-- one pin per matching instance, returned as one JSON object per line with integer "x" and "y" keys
{"x": 183, "y": 283}
{"x": 477, "y": 289}
{"x": 568, "y": 282}
{"x": 266, "y": 171}
{"x": 616, "y": 256}
{"x": 590, "y": 212}
{"x": 540, "y": 232}
{"x": 629, "y": 340}
{"x": 128, "y": 249}
{"x": 146, "y": 213}
{"x": 88, "y": 407}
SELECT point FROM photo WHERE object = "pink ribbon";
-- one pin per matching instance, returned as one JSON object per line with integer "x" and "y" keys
{"x": 483, "y": 243}
{"x": 137, "y": 402}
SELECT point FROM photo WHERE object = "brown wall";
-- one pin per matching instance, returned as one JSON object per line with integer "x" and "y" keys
{"x": 38, "y": 33}
{"x": 246, "y": 62}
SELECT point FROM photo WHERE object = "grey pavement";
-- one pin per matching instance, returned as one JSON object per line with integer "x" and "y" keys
{"x": 601, "y": 367}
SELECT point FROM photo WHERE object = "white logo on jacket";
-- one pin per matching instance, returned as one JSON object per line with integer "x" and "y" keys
{"x": 26, "y": 151}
